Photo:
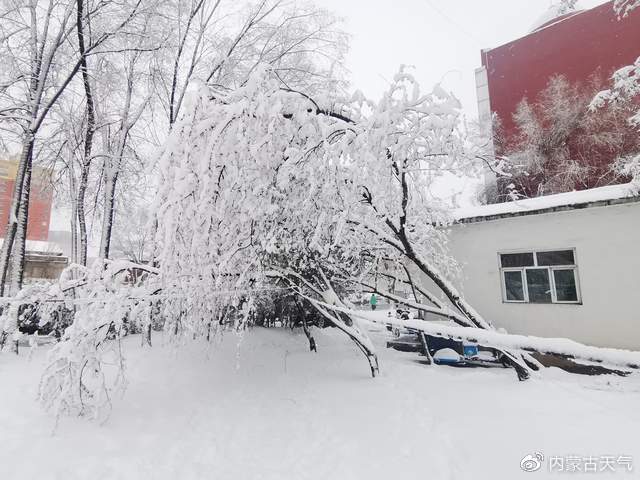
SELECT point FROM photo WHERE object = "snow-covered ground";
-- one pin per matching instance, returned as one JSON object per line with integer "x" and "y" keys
{"x": 273, "y": 410}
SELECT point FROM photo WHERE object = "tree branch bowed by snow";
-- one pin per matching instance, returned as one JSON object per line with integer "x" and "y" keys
{"x": 87, "y": 367}
{"x": 625, "y": 7}
{"x": 262, "y": 178}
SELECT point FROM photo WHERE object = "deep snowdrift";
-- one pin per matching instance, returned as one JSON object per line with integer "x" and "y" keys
{"x": 272, "y": 410}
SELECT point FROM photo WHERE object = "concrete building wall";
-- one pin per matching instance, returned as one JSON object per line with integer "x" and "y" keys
{"x": 44, "y": 267}
{"x": 606, "y": 241}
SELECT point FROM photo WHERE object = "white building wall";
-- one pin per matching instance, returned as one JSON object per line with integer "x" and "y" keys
{"x": 482, "y": 94}
{"x": 484, "y": 117}
{"x": 607, "y": 244}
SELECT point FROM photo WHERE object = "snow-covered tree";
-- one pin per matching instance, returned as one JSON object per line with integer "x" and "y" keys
{"x": 221, "y": 42}
{"x": 29, "y": 87}
{"x": 626, "y": 85}
{"x": 625, "y": 7}
{"x": 560, "y": 145}
{"x": 121, "y": 111}
{"x": 132, "y": 238}
{"x": 86, "y": 368}
{"x": 239, "y": 187}
{"x": 262, "y": 181}
{"x": 566, "y": 6}
{"x": 39, "y": 63}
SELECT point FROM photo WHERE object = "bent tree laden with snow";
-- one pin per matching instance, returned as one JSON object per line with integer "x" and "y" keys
{"x": 264, "y": 184}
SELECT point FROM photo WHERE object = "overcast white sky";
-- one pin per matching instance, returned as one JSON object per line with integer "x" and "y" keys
{"x": 441, "y": 38}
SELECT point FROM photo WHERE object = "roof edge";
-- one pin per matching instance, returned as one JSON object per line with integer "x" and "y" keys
{"x": 540, "y": 211}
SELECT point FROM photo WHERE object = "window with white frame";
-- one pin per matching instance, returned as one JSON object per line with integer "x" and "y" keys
{"x": 545, "y": 276}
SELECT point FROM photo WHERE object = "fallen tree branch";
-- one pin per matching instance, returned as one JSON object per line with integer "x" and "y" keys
{"x": 561, "y": 347}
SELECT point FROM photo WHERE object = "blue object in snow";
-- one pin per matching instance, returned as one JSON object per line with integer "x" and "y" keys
{"x": 447, "y": 356}
{"x": 469, "y": 350}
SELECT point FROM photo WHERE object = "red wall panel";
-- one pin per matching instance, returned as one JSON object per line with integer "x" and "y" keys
{"x": 575, "y": 47}
{"x": 39, "y": 208}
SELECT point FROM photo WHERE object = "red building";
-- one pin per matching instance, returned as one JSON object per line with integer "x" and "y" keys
{"x": 575, "y": 45}
{"x": 39, "y": 205}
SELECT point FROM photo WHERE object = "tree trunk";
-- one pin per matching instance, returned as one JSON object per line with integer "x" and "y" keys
{"x": 74, "y": 213}
{"x": 82, "y": 221}
{"x": 109, "y": 213}
{"x": 359, "y": 338}
{"x": 307, "y": 332}
{"x": 344, "y": 322}
{"x": 450, "y": 292}
{"x": 7, "y": 246}
{"x": 88, "y": 140}
{"x": 425, "y": 347}
{"x": 148, "y": 334}
{"x": 19, "y": 250}
{"x": 305, "y": 328}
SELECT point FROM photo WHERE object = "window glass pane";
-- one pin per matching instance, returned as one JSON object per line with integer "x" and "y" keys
{"x": 566, "y": 290}
{"x": 561, "y": 257}
{"x": 513, "y": 286}
{"x": 538, "y": 285}
{"x": 516, "y": 260}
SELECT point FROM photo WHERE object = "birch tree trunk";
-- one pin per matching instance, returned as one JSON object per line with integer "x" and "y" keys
{"x": 82, "y": 221}
{"x": 16, "y": 198}
{"x": 111, "y": 179}
{"x": 74, "y": 212}
{"x": 19, "y": 249}
{"x": 88, "y": 139}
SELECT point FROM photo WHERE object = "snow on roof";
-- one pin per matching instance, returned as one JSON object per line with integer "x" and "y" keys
{"x": 560, "y": 201}
{"x": 40, "y": 246}
{"x": 555, "y": 13}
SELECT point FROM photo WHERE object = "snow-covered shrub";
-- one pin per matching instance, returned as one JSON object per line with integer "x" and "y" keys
{"x": 30, "y": 310}
{"x": 86, "y": 368}
{"x": 626, "y": 86}
{"x": 561, "y": 145}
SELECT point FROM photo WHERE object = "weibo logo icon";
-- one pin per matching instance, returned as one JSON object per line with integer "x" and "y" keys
{"x": 532, "y": 463}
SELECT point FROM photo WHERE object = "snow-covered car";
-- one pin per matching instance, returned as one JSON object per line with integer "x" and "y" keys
{"x": 400, "y": 313}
